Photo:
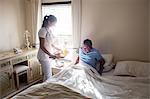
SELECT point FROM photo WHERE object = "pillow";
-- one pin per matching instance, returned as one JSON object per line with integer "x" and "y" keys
{"x": 132, "y": 68}
{"x": 108, "y": 59}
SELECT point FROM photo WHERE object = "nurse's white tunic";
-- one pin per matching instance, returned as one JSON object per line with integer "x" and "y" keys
{"x": 42, "y": 56}
{"x": 49, "y": 40}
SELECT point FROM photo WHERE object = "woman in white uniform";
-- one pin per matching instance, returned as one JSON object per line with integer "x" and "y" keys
{"x": 46, "y": 39}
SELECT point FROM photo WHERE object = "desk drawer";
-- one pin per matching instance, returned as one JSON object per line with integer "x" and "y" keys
{"x": 19, "y": 60}
{"x": 5, "y": 64}
{"x": 31, "y": 56}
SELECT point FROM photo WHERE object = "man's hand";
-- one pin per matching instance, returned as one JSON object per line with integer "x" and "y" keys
{"x": 77, "y": 60}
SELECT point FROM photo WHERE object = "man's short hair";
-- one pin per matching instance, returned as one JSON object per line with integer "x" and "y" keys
{"x": 88, "y": 42}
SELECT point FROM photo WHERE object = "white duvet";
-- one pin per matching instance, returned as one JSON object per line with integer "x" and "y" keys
{"x": 85, "y": 80}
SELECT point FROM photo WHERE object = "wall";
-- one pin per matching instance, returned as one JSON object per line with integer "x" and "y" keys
{"x": 149, "y": 27}
{"x": 119, "y": 27}
{"x": 12, "y": 24}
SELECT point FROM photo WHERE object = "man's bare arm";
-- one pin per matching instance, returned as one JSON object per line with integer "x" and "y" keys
{"x": 102, "y": 62}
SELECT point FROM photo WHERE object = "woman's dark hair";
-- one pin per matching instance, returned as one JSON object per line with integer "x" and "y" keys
{"x": 50, "y": 18}
{"x": 88, "y": 42}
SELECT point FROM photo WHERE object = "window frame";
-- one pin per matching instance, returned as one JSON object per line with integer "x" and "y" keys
{"x": 57, "y": 3}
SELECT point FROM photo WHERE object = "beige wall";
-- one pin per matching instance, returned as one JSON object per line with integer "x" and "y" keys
{"x": 149, "y": 27}
{"x": 119, "y": 27}
{"x": 12, "y": 24}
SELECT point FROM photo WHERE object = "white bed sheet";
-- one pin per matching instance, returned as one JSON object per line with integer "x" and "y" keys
{"x": 85, "y": 80}
{"x": 109, "y": 73}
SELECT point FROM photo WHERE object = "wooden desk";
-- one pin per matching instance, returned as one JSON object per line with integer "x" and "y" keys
{"x": 8, "y": 60}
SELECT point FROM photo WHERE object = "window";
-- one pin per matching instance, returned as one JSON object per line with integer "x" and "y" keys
{"x": 63, "y": 29}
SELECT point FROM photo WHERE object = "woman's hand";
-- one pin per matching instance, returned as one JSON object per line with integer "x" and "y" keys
{"x": 55, "y": 56}
{"x": 52, "y": 56}
{"x": 59, "y": 55}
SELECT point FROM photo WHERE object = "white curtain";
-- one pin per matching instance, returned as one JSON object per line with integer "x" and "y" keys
{"x": 33, "y": 19}
{"x": 76, "y": 20}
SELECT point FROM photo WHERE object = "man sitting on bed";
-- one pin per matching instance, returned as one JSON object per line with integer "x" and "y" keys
{"x": 91, "y": 56}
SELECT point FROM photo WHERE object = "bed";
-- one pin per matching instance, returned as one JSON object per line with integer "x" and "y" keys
{"x": 83, "y": 82}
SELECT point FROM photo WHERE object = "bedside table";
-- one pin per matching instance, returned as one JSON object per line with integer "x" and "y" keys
{"x": 59, "y": 64}
{"x": 55, "y": 70}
